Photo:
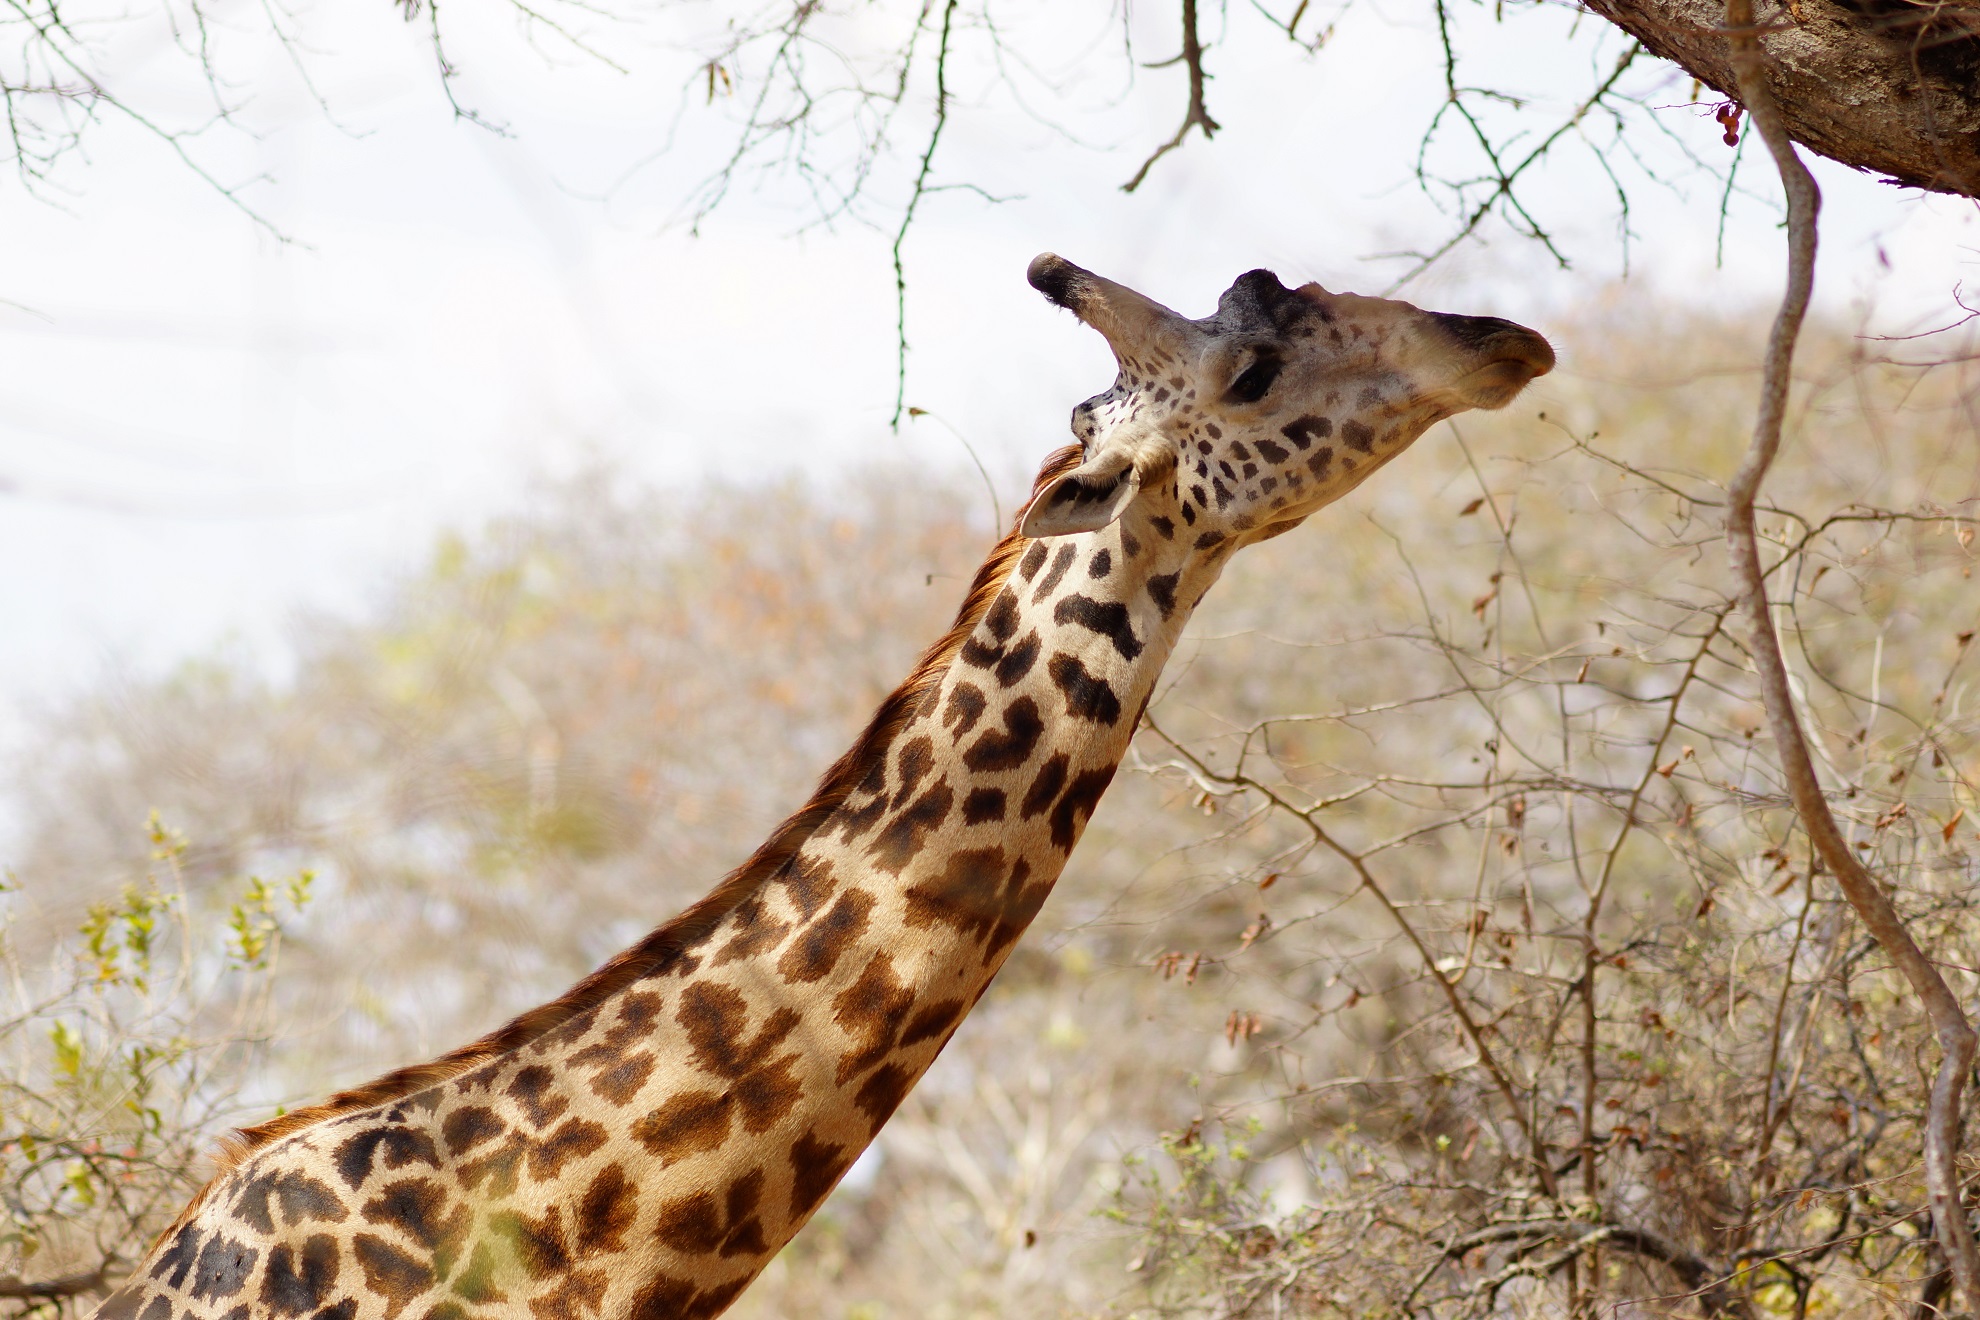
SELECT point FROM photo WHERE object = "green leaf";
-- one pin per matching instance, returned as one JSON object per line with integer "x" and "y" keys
{"x": 81, "y": 1183}
{"x": 68, "y": 1051}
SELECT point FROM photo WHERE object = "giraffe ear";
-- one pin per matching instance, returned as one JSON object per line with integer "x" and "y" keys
{"x": 1084, "y": 499}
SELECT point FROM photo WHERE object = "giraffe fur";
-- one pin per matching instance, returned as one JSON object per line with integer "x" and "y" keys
{"x": 643, "y": 1145}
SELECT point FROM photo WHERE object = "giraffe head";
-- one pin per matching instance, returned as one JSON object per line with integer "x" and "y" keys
{"x": 1279, "y": 403}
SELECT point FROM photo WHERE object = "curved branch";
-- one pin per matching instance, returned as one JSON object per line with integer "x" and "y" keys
{"x": 1875, "y": 909}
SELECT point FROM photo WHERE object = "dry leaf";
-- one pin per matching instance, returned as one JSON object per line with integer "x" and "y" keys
{"x": 1953, "y": 824}
{"x": 1472, "y": 507}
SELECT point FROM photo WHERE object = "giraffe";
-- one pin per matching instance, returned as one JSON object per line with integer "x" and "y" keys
{"x": 643, "y": 1145}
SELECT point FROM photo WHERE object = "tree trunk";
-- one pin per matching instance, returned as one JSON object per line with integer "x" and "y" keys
{"x": 1888, "y": 86}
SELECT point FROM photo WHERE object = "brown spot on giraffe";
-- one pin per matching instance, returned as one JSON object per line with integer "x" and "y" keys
{"x": 300, "y": 1277}
{"x": 820, "y": 945}
{"x": 394, "y": 1275}
{"x": 904, "y": 835}
{"x": 685, "y": 1125}
{"x": 535, "y": 1089}
{"x": 983, "y": 805}
{"x": 965, "y": 707}
{"x": 622, "y": 1082}
{"x": 871, "y": 1011}
{"x": 469, "y": 1126}
{"x": 703, "y": 1222}
{"x": 1089, "y": 696}
{"x": 816, "y": 1166}
{"x": 573, "y": 1139}
{"x": 1011, "y": 746}
{"x": 757, "y": 931}
{"x": 384, "y": 1147}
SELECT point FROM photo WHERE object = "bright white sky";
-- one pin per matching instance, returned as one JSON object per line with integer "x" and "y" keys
{"x": 203, "y": 429}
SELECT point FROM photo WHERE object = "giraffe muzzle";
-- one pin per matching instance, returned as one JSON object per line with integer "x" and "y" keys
{"x": 1508, "y": 357}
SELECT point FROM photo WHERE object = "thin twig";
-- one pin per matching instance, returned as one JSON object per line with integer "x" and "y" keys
{"x": 907, "y": 214}
{"x": 1543, "y": 1168}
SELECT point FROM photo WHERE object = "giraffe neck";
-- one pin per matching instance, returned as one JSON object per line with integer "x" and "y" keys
{"x": 651, "y": 1151}
{"x": 822, "y": 998}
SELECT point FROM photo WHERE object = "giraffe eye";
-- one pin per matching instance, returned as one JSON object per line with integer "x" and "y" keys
{"x": 1255, "y": 380}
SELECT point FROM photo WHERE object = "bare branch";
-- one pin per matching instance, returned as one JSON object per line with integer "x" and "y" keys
{"x": 1197, "y": 116}
{"x": 913, "y": 203}
{"x": 13, "y": 1287}
{"x": 1879, "y": 916}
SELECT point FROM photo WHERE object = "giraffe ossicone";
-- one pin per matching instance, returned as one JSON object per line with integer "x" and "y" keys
{"x": 643, "y": 1145}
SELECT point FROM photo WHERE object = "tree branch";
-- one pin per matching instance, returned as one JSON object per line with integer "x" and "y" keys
{"x": 914, "y": 202}
{"x": 1880, "y": 917}
{"x": 1890, "y": 88}
{"x": 13, "y": 1287}
{"x": 1196, "y": 116}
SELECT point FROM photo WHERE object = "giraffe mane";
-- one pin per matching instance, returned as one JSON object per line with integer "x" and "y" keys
{"x": 659, "y": 949}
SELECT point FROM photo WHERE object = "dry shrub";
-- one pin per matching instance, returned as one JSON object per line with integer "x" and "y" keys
{"x": 123, "y": 1053}
{"x": 1228, "y": 1073}
{"x": 1543, "y": 994}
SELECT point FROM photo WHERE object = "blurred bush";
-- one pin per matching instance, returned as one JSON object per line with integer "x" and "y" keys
{"x": 122, "y": 1055}
{"x": 1453, "y": 951}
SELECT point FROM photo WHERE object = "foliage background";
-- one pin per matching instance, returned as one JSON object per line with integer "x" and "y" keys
{"x": 1217, "y": 1078}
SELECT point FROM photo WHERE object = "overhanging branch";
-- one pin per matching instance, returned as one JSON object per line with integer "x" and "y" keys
{"x": 1879, "y": 916}
{"x": 1881, "y": 85}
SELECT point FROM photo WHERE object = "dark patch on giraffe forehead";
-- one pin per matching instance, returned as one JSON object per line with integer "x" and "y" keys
{"x": 1258, "y": 304}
